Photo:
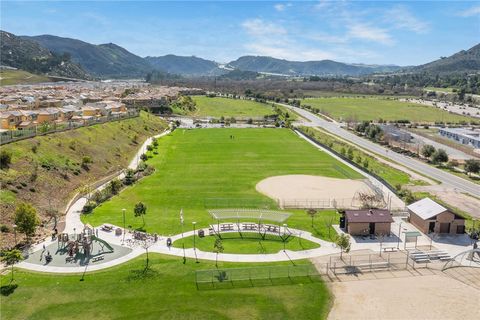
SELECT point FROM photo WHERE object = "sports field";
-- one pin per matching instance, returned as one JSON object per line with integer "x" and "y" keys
{"x": 194, "y": 166}
{"x": 226, "y": 107}
{"x": 167, "y": 291}
{"x": 233, "y": 243}
{"x": 360, "y": 109}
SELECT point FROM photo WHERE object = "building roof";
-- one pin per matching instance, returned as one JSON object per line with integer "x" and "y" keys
{"x": 426, "y": 208}
{"x": 368, "y": 215}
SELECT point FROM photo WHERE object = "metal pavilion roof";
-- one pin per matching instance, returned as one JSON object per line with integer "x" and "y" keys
{"x": 257, "y": 214}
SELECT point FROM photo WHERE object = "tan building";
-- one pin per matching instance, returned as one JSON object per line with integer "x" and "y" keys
{"x": 48, "y": 115}
{"x": 9, "y": 120}
{"x": 430, "y": 217}
{"x": 368, "y": 222}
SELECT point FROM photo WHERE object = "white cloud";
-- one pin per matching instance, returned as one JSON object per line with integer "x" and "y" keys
{"x": 367, "y": 32}
{"x": 282, "y": 6}
{"x": 401, "y": 18}
{"x": 258, "y": 27}
{"x": 473, "y": 11}
{"x": 288, "y": 52}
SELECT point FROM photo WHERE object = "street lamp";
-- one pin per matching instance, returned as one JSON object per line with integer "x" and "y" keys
{"x": 15, "y": 233}
{"x": 194, "y": 247}
{"x": 399, "y": 235}
{"x": 284, "y": 232}
{"x": 123, "y": 212}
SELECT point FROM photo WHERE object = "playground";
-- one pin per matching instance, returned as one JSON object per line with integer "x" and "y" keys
{"x": 74, "y": 250}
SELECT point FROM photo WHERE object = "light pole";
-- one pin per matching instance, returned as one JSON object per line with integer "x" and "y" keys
{"x": 399, "y": 235}
{"x": 15, "y": 233}
{"x": 123, "y": 212}
{"x": 284, "y": 232}
{"x": 194, "y": 247}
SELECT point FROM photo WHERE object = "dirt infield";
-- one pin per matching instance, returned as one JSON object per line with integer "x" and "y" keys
{"x": 436, "y": 296}
{"x": 310, "y": 187}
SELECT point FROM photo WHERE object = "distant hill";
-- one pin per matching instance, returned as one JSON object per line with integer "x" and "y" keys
{"x": 463, "y": 61}
{"x": 28, "y": 55}
{"x": 185, "y": 66}
{"x": 297, "y": 68}
{"x": 104, "y": 60}
{"x": 240, "y": 75}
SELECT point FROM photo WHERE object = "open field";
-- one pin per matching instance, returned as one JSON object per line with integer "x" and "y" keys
{"x": 249, "y": 244}
{"x": 11, "y": 77}
{"x": 167, "y": 291}
{"x": 361, "y": 109}
{"x": 438, "y": 89}
{"x": 195, "y": 165}
{"x": 226, "y": 107}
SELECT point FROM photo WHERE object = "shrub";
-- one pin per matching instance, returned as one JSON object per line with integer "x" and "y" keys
{"x": 26, "y": 219}
{"x": 88, "y": 207}
{"x": 4, "y": 228}
{"x": 144, "y": 157}
{"x": 32, "y": 189}
{"x": 86, "y": 160}
{"x": 5, "y": 159}
{"x": 149, "y": 147}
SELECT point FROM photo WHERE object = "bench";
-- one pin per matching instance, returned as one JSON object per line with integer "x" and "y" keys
{"x": 373, "y": 265}
{"x": 98, "y": 258}
{"x": 390, "y": 249}
{"x": 422, "y": 260}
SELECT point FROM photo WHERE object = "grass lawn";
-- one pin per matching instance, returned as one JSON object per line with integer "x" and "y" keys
{"x": 387, "y": 109}
{"x": 218, "y": 107}
{"x": 195, "y": 165}
{"x": 11, "y": 77}
{"x": 249, "y": 244}
{"x": 438, "y": 89}
{"x": 168, "y": 291}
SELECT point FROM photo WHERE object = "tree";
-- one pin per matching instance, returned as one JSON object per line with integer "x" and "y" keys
{"x": 440, "y": 156}
{"x": 140, "y": 210}
{"x": 312, "y": 213}
{"x": 427, "y": 150}
{"x": 26, "y": 219}
{"x": 115, "y": 186}
{"x": 343, "y": 241}
{"x": 217, "y": 248}
{"x": 472, "y": 166}
{"x": 10, "y": 257}
{"x": 5, "y": 159}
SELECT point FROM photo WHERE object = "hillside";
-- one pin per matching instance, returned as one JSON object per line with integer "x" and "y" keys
{"x": 28, "y": 55}
{"x": 463, "y": 61}
{"x": 11, "y": 77}
{"x": 185, "y": 66}
{"x": 104, "y": 60}
{"x": 323, "y": 67}
{"x": 46, "y": 171}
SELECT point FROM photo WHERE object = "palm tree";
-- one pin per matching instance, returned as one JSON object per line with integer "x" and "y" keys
{"x": 10, "y": 257}
{"x": 217, "y": 248}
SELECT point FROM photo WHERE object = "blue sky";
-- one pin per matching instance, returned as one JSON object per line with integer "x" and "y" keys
{"x": 381, "y": 32}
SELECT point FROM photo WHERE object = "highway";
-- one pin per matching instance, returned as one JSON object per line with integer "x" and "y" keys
{"x": 447, "y": 179}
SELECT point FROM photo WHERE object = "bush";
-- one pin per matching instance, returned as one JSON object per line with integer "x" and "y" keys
{"x": 149, "y": 147}
{"x": 143, "y": 157}
{"x": 88, "y": 207}
{"x": 4, "y": 228}
{"x": 5, "y": 159}
{"x": 86, "y": 160}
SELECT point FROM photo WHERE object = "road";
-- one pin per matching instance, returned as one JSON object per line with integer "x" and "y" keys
{"x": 445, "y": 178}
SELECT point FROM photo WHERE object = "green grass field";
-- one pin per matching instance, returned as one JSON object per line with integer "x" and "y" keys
{"x": 194, "y": 165}
{"x": 218, "y": 107}
{"x": 168, "y": 291}
{"x": 233, "y": 243}
{"x": 360, "y": 109}
{"x": 11, "y": 77}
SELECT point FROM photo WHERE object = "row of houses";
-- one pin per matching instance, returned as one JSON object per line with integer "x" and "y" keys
{"x": 22, "y": 119}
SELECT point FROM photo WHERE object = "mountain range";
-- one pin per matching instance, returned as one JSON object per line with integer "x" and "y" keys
{"x": 112, "y": 61}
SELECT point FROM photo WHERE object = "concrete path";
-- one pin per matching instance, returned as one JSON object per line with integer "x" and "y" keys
{"x": 72, "y": 218}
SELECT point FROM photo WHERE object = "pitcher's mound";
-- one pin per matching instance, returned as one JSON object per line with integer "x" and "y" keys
{"x": 291, "y": 187}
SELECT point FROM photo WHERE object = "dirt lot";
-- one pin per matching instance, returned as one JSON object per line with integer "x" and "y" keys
{"x": 434, "y": 295}
{"x": 310, "y": 187}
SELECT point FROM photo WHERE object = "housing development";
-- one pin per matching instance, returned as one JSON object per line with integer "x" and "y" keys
{"x": 177, "y": 187}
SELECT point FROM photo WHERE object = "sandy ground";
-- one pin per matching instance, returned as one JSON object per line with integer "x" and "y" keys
{"x": 291, "y": 187}
{"x": 435, "y": 296}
